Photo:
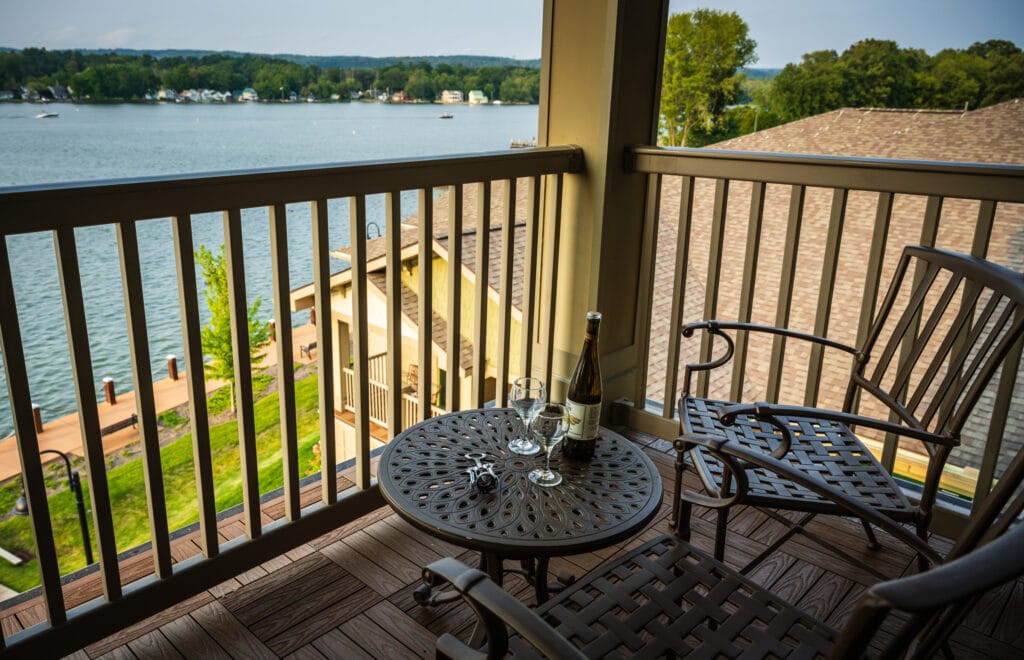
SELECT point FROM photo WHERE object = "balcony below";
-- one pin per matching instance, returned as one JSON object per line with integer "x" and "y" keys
{"x": 349, "y": 593}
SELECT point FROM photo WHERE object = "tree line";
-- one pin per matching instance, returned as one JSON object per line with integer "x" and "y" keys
{"x": 879, "y": 74}
{"x": 109, "y": 76}
{"x": 706, "y": 98}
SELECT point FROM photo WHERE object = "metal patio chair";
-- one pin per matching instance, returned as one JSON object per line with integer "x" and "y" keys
{"x": 669, "y": 599}
{"x": 938, "y": 338}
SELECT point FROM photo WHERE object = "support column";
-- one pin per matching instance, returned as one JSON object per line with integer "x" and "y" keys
{"x": 600, "y": 89}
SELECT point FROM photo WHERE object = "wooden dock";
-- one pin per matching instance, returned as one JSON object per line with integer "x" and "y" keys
{"x": 64, "y": 434}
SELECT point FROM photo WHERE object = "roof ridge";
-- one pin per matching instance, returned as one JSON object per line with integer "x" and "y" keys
{"x": 929, "y": 111}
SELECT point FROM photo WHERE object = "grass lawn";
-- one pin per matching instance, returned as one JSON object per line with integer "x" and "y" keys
{"x": 127, "y": 490}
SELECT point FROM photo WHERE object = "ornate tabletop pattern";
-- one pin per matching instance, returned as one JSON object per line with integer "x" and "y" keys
{"x": 423, "y": 474}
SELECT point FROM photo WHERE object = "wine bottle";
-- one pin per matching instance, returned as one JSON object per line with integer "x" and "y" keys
{"x": 583, "y": 398}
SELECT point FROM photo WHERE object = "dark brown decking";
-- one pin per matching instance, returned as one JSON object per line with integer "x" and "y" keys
{"x": 349, "y": 593}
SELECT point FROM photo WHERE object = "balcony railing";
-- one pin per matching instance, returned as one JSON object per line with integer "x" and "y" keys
{"x": 376, "y": 376}
{"x": 789, "y": 240}
{"x": 806, "y": 242}
{"x": 379, "y": 395}
{"x": 63, "y": 209}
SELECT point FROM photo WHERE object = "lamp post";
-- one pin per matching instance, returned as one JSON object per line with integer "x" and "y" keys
{"x": 21, "y": 504}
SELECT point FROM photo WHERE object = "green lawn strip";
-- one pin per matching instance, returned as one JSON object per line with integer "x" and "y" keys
{"x": 127, "y": 491}
{"x": 220, "y": 400}
{"x": 171, "y": 419}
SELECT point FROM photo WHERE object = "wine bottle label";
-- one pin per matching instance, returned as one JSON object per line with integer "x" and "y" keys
{"x": 583, "y": 419}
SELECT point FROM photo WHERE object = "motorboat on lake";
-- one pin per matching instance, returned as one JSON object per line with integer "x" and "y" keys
{"x": 47, "y": 115}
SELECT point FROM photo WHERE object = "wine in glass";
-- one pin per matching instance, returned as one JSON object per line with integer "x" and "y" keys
{"x": 548, "y": 426}
{"x": 527, "y": 396}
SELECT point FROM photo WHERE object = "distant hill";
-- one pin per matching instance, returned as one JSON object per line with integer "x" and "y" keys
{"x": 342, "y": 61}
{"x": 360, "y": 62}
{"x": 761, "y": 74}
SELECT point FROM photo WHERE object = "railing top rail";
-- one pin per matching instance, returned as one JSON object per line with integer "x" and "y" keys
{"x": 48, "y": 206}
{"x": 949, "y": 179}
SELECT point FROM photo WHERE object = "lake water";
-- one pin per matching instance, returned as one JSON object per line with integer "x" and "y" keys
{"x": 119, "y": 141}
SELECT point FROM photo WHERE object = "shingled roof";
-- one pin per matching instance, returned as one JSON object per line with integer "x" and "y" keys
{"x": 991, "y": 135}
{"x": 438, "y": 325}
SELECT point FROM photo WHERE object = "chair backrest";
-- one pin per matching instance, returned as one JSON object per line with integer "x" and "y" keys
{"x": 947, "y": 322}
{"x": 988, "y": 553}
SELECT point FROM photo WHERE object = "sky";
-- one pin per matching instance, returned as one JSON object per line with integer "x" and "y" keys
{"x": 787, "y": 29}
{"x": 783, "y": 29}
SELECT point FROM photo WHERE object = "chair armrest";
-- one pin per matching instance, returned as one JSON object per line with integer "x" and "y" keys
{"x": 978, "y": 571}
{"x": 727, "y": 496}
{"x": 729, "y": 451}
{"x": 767, "y": 411}
{"x": 496, "y": 609}
{"x": 715, "y": 328}
{"x": 712, "y": 326}
{"x": 924, "y": 593}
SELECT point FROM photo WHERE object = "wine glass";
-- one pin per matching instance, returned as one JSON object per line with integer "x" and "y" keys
{"x": 548, "y": 426}
{"x": 527, "y": 396}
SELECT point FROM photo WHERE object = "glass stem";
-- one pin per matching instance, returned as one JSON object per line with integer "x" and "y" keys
{"x": 547, "y": 461}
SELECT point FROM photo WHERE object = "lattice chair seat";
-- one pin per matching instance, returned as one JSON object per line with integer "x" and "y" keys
{"x": 826, "y": 449}
{"x": 668, "y": 599}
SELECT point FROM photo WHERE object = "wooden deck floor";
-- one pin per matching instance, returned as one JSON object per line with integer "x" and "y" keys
{"x": 349, "y": 593}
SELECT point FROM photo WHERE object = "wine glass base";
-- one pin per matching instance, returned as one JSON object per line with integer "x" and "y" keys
{"x": 546, "y": 478}
{"x": 523, "y": 447}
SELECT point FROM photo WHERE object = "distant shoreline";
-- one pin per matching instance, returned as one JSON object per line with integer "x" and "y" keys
{"x": 259, "y": 102}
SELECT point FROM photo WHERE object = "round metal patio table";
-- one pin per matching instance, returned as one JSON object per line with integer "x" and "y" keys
{"x": 423, "y": 476}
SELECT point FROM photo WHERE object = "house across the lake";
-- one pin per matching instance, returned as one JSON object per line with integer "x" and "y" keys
{"x": 451, "y": 96}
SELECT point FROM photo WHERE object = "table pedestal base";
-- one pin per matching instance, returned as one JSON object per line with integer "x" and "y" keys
{"x": 534, "y": 570}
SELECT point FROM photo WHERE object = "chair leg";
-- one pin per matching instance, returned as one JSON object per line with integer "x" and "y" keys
{"x": 676, "y": 492}
{"x": 682, "y": 522}
{"x": 720, "y": 529}
{"x": 873, "y": 543}
{"x": 922, "y": 533}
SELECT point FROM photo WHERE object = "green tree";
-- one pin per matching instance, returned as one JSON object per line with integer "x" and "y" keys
{"x": 704, "y": 51}
{"x": 443, "y": 81}
{"x": 1006, "y": 70}
{"x": 365, "y": 78}
{"x": 276, "y": 79}
{"x": 178, "y": 78}
{"x": 878, "y": 74}
{"x": 952, "y": 80}
{"x": 516, "y": 89}
{"x": 419, "y": 86}
{"x": 392, "y": 79}
{"x": 810, "y": 88}
{"x": 216, "y": 334}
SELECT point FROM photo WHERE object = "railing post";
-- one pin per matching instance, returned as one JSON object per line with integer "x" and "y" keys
{"x": 604, "y": 109}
